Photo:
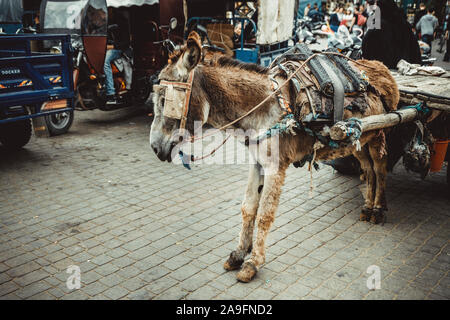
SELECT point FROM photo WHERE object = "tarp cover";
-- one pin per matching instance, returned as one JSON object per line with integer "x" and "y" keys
{"x": 275, "y": 20}
{"x": 62, "y": 16}
{"x": 302, "y": 5}
{"x": 11, "y": 11}
{"x": 129, "y": 3}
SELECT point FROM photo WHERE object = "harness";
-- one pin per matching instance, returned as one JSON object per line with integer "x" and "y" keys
{"x": 298, "y": 65}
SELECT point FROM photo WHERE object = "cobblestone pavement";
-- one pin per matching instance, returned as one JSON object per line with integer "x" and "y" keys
{"x": 138, "y": 228}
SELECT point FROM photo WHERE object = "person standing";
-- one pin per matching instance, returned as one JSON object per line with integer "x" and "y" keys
{"x": 118, "y": 43}
{"x": 305, "y": 13}
{"x": 427, "y": 26}
{"x": 447, "y": 31}
{"x": 420, "y": 13}
{"x": 334, "y": 20}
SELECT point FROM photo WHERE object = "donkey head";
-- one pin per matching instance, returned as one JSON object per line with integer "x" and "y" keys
{"x": 164, "y": 133}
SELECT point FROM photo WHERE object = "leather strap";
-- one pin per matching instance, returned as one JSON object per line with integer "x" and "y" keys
{"x": 187, "y": 86}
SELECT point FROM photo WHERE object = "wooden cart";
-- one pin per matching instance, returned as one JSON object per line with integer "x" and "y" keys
{"x": 433, "y": 90}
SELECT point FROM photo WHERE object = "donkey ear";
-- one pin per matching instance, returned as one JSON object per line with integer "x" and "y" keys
{"x": 193, "y": 51}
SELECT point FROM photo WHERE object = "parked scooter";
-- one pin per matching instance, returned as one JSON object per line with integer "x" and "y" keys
{"x": 91, "y": 86}
{"x": 347, "y": 43}
{"x": 304, "y": 33}
{"x": 425, "y": 50}
{"x": 314, "y": 26}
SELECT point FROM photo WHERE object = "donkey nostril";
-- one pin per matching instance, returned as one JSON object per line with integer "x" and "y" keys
{"x": 155, "y": 150}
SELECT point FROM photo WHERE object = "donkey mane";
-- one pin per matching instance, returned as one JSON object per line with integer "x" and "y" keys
{"x": 224, "y": 61}
{"x": 219, "y": 60}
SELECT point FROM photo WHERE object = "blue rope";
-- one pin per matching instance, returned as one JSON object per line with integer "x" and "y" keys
{"x": 421, "y": 107}
{"x": 185, "y": 159}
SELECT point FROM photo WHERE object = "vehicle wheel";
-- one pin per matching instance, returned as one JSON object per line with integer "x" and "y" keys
{"x": 448, "y": 173}
{"x": 142, "y": 92}
{"x": 59, "y": 123}
{"x": 14, "y": 135}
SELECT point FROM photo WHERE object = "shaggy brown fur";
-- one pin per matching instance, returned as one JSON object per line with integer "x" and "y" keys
{"x": 223, "y": 90}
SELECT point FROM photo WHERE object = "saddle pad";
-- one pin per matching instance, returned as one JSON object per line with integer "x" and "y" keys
{"x": 328, "y": 79}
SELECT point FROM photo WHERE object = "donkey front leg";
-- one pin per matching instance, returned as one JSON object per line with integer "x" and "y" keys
{"x": 268, "y": 204}
{"x": 248, "y": 209}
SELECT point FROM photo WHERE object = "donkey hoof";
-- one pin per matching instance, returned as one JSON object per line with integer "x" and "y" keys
{"x": 233, "y": 262}
{"x": 365, "y": 214}
{"x": 247, "y": 272}
{"x": 378, "y": 216}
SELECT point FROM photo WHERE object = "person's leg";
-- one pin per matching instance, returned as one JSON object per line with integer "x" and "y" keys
{"x": 128, "y": 73}
{"x": 427, "y": 39}
{"x": 111, "y": 55}
{"x": 447, "y": 53}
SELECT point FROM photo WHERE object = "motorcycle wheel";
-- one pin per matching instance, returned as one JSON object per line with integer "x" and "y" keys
{"x": 142, "y": 91}
{"x": 14, "y": 135}
{"x": 59, "y": 123}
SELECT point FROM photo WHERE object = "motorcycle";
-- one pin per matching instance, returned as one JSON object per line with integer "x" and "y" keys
{"x": 315, "y": 24}
{"x": 347, "y": 43}
{"x": 304, "y": 33}
{"x": 91, "y": 85}
{"x": 138, "y": 65}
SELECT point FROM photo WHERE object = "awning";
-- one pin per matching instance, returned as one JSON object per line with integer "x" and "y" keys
{"x": 275, "y": 20}
{"x": 11, "y": 11}
{"x": 129, "y": 3}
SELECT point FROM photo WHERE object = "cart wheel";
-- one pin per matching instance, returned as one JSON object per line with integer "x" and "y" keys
{"x": 14, "y": 135}
{"x": 59, "y": 123}
{"x": 348, "y": 165}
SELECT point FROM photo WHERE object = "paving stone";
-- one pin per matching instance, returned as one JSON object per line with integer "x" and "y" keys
{"x": 324, "y": 293}
{"x": 111, "y": 280}
{"x": 94, "y": 289}
{"x": 115, "y": 293}
{"x": 32, "y": 289}
{"x": 31, "y": 277}
{"x": 176, "y": 262}
{"x": 204, "y": 293}
{"x": 8, "y": 287}
{"x": 174, "y": 293}
{"x": 184, "y": 272}
{"x": 23, "y": 269}
{"x": 133, "y": 284}
{"x": 298, "y": 290}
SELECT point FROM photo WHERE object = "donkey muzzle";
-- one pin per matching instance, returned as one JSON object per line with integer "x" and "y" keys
{"x": 163, "y": 153}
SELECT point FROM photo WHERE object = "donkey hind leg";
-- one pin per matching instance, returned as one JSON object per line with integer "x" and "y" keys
{"x": 248, "y": 209}
{"x": 268, "y": 204}
{"x": 379, "y": 159}
{"x": 366, "y": 166}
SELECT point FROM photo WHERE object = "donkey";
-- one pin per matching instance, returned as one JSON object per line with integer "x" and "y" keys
{"x": 224, "y": 89}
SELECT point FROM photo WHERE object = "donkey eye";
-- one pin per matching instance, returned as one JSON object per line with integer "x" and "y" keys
{"x": 162, "y": 101}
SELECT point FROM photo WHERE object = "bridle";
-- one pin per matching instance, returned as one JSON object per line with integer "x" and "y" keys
{"x": 176, "y": 106}
{"x": 177, "y": 98}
